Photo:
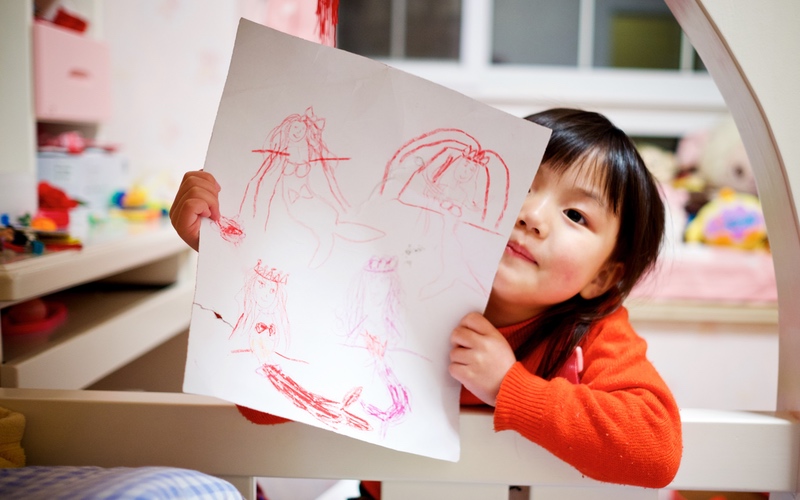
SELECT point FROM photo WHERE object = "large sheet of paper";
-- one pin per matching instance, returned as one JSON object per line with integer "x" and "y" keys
{"x": 364, "y": 213}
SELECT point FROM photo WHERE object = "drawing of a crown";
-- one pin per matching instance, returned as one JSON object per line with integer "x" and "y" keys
{"x": 271, "y": 273}
{"x": 381, "y": 264}
{"x": 476, "y": 155}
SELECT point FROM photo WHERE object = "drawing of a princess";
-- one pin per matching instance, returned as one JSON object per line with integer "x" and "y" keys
{"x": 265, "y": 325}
{"x": 371, "y": 323}
{"x": 263, "y": 320}
{"x": 299, "y": 170}
{"x": 447, "y": 172}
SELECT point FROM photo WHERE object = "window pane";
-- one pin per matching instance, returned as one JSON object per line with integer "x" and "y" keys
{"x": 636, "y": 34}
{"x": 364, "y": 27}
{"x": 429, "y": 29}
{"x": 536, "y": 32}
{"x": 433, "y": 29}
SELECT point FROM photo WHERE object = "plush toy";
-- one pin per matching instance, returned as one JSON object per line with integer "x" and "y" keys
{"x": 730, "y": 219}
{"x": 724, "y": 162}
{"x": 660, "y": 162}
{"x": 664, "y": 167}
{"x": 715, "y": 158}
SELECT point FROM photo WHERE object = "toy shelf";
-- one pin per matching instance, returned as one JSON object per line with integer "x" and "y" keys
{"x": 110, "y": 248}
{"x": 126, "y": 292}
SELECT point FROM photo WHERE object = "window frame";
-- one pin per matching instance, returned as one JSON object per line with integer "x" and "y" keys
{"x": 658, "y": 103}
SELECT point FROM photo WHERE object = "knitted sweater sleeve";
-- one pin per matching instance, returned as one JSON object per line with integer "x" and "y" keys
{"x": 620, "y": 424}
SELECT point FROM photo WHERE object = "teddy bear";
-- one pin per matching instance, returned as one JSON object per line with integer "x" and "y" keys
{"x": 714, "y": 158}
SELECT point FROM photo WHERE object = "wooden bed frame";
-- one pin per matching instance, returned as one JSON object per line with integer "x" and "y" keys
{"x": 749, "y": 48}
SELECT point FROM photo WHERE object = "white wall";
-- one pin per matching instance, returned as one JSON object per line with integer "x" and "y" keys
{"x": 169, "y": 63}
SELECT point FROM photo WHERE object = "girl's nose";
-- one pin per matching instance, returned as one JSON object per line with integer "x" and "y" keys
{"x": 532, "y": 216}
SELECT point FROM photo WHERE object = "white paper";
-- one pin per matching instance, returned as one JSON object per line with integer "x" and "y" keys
{"x": 364, "y": 213}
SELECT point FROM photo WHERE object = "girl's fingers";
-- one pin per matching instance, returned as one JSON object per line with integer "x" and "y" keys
{"x": 477, "y": 323}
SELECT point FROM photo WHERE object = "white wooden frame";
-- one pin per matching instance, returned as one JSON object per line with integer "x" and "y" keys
{"x": 748, "y": 47}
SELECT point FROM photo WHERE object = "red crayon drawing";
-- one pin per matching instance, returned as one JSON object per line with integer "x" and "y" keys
{"x": 446, "y": 172}
{"x": 329, "y": 412}
{"x": 299, "y": 171}
{"x": 263, "y": 311}
{"x": 264, "y": 323}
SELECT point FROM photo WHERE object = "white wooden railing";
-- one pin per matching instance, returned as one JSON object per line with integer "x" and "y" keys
{"x": 730, "y": 451}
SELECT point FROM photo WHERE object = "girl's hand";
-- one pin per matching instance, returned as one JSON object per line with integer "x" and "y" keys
{"x": 197, "y": 197}
{"x": 480, "y": 357}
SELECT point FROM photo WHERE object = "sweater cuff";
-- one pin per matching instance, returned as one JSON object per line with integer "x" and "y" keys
{"x": 521, "y": 401}
{"x": 260, "y": 418}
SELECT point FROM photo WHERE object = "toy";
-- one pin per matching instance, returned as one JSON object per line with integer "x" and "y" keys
{"x": 35, "y": 317}
{"x": 661, "y": 163}
{"x": 54, "y": 207}
{"x": 709, "y": 160}
{"x": 731, "y": 219}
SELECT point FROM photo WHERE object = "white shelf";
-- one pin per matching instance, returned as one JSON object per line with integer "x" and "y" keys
{"x": 105, "y": 330}
{"x": 107, "y": 326}
{"x": 110, "y": 248}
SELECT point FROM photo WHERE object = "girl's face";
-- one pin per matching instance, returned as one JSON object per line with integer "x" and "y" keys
{"x": 297, "y": 130}
{"x": 266, "y": 292}
{"x": 559, "y": 247}
{"x": 464, "y": 170}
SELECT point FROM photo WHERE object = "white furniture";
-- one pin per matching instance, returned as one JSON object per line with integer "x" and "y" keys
{"x": 104, "y": 330}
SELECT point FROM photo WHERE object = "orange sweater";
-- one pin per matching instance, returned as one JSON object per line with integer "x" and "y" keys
{"x": 620, "y": 424}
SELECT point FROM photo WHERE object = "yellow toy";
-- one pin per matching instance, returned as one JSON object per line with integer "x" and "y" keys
{"x": 731, "y": 219}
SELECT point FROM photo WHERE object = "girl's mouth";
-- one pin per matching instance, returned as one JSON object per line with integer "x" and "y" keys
{"x": 517, "y": 250}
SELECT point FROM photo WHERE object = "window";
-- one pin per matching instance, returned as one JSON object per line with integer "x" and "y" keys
{"x": 401, "y": 29}
{"x": 598, "y": 33}
{"x": 536, "y": 32}
{"x": 626, "y": 58}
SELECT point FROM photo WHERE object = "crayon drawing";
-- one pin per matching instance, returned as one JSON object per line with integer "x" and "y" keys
{"x": 299, "y": 171}
{"x": 263, "y": 326}
{"x": 364, "y": 211}
{"x": 372, "y": 324}
{"x": 447, "y": 174}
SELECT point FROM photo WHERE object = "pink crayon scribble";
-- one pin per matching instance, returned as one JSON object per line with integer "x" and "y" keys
{"x": 400, "y": 405}
{"x": 371, "y": 324}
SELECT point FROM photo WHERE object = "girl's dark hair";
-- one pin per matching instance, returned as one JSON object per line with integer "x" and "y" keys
{"x": 588, "y": 140}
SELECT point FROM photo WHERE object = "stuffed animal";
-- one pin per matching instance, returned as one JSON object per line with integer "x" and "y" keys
{"x": 724, "y": 162}
{"x": 730, "y": 219}
{"x": 715, "y": 158}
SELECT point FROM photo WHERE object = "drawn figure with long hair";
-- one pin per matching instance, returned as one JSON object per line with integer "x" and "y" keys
{"x": 447, "y": 172}
{"x": 265, "y": 324}
{"x": 299, "y": 171}
{"x": 371, "y": 324}
{"x": 263, "y": 319}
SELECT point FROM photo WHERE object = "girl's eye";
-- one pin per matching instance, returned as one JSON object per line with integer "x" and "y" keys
{"x": 575, "y": 216}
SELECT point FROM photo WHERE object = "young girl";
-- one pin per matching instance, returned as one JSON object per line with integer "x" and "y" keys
{"x": 554, "y": 352}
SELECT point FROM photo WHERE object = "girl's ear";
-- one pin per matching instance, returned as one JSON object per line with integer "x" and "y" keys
{"x": 608, "y": 276}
